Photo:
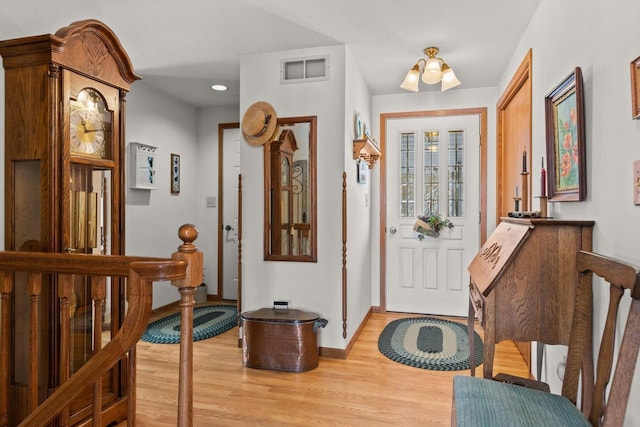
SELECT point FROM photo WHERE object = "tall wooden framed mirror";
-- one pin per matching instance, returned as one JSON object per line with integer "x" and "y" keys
{"x": 290, "y": 214}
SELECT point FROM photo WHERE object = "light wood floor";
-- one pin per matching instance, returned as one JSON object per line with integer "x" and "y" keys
{"x": 367, "y": 389}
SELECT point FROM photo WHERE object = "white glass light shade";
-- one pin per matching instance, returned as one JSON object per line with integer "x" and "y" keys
{"x": 432, "y": 72}
{"x": 449, "y": 78}
{"x": 410, "y": 82}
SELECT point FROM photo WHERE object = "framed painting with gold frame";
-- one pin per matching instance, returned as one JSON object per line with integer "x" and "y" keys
{"x": 566, "y": 147}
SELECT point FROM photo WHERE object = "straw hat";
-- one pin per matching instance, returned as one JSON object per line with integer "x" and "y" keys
{"x": 259, "y": 123}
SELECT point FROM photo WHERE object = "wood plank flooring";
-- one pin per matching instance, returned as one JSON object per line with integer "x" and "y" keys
{"x": 367, "y": 389}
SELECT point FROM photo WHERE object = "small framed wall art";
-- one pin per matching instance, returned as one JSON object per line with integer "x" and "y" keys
{"x": 175, "y": 173}
{"x": 566, "y": 147}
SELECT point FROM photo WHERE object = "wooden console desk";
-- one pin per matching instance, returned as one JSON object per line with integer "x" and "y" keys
{"x": 523, "y": 282}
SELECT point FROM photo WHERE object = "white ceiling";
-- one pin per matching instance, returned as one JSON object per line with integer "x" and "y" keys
{"x": 184, "y": 46}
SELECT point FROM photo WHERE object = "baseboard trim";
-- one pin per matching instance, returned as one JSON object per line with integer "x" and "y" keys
{"x": 338, "y": 353}
{"x": 168, "y": 307}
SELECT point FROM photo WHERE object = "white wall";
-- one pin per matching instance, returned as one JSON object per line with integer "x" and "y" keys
{"x": 360, "y": 221}
{"x": 600, "y": 36}
{"x": 153, "y": 217}
{"x": 317, "y": 286}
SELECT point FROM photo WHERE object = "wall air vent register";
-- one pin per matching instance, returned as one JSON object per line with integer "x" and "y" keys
{"x": 304, "y": 69}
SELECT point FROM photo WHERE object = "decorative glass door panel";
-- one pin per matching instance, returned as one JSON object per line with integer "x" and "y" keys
{"x": 89, "y": 192}
{"x": 436, "y": 192}
{"x": 455, "y": 173}
{"x": 431, "y": 171}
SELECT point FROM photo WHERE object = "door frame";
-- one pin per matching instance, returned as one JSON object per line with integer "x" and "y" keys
{"x": 221, "y": 128}
{"x": 517, "y": 83}
{"x": 481, "y": 112}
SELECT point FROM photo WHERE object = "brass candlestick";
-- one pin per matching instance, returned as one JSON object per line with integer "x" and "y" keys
{"x": 525, "y": 191}
{"x": 543, "y": 206}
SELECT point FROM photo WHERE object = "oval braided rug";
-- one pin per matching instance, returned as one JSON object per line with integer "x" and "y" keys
{"x": 429, "y": 343}
{"x": 208, "y": 321}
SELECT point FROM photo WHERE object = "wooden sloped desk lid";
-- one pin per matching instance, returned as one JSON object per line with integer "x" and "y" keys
{"x": 489, "y": 263}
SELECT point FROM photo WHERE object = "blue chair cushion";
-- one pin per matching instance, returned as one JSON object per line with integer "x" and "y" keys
{"x": 481, "y": 402}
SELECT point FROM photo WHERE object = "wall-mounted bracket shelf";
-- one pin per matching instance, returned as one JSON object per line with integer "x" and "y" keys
{"x": 367, "y": 150}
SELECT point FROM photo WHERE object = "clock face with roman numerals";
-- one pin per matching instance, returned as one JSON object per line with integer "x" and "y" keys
{"x": 89, "y": 124}
{"x": 87, "y": 132}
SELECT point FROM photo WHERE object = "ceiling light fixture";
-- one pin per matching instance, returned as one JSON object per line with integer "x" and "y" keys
{"x": 219, "y": 87}
{"x": 435, "y": 70}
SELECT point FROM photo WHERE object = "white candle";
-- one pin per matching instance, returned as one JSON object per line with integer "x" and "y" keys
{"x": 516, "y": 191}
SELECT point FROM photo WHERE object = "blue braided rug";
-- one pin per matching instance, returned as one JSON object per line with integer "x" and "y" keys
{"x": 208, "y": 321}
{"x": 429, "y": 343}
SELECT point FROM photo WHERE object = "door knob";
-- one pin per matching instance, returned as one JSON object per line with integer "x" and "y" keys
{"x": 228, "y": 228}
{"x": 392, "y": 230}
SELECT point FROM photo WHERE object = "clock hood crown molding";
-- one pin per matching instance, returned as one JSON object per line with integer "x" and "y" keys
{"x": 91, "y": 38}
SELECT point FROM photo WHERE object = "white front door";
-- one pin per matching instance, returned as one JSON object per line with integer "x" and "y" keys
{"x": 230, "y": 171}
{"x": 433, "y": 166}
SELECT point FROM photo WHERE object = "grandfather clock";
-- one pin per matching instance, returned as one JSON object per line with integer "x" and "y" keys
{"x": 64, "y": 190}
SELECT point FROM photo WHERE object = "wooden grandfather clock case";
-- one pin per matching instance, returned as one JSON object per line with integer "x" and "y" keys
{"x": 64, "y": 191}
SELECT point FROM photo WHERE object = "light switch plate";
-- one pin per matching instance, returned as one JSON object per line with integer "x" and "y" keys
{"x": 636, "y": 182}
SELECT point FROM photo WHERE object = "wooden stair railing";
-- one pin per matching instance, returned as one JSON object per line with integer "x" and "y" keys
{"x": 184, "y": 270}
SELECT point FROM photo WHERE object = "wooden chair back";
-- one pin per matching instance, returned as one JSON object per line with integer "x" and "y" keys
{"x": 600, "y": 407}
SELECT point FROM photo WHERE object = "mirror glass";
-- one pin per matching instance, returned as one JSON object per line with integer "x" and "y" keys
{"x": 290, "y": 191}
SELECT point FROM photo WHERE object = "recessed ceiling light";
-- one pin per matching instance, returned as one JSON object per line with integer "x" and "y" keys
{"x": 219, "y": 87}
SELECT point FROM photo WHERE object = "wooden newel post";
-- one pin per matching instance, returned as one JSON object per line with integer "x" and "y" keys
{"x": 187, "y": 251}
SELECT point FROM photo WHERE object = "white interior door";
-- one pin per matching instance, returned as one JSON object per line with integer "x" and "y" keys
{"x": 433, "y": 165}
{"x": 230, "y": 171}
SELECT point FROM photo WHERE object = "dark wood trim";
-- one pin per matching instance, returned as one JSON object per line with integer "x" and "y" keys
{"x": 520, "y": 77}
{"x": 382, "y": 229}
{"x": 518, "y": 81}
{"x": 337, "y": 353}
{"x": 333, "y": 353}
{"x": 482, "y": 113}
{"x": 313, "y": 185}
{"x": 239, "y": 300}
{"x": 344, "y": 255}
{"x": 221, "y": 128}
{"x": 634, "y": 67}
